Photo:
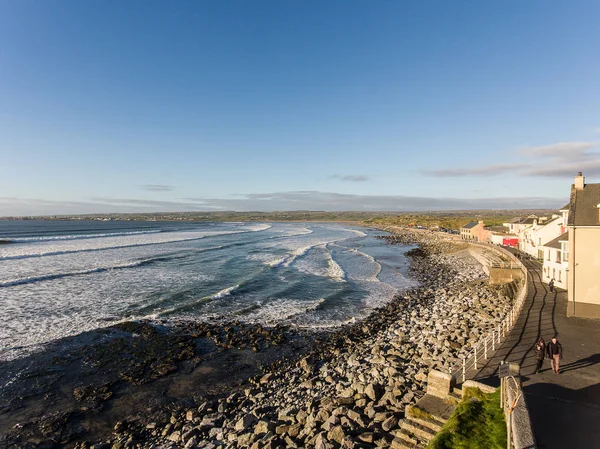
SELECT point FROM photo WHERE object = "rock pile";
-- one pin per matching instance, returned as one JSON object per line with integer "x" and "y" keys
{"x": 351, "y": 390}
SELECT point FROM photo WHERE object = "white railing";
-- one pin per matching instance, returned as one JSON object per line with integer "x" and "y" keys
{"x": 475, "y": 359}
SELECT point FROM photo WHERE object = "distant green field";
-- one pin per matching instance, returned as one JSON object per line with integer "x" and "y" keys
{"x": 445, "y": 219}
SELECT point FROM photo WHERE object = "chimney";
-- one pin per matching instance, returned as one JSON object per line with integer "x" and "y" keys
{"x": 579, "y": 181}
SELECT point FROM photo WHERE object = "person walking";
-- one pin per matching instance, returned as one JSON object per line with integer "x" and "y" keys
{"x": 555, "y": 353}
{"x": 540, "y": 354}
{"x": 551, "y": 285}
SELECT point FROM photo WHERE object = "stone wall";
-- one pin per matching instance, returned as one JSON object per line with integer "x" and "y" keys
{"x": 504, "y": 275}
{"x": 515, "y": 410}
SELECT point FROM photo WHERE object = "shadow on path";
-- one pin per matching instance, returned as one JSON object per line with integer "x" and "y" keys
{"x": 564, "y": 408}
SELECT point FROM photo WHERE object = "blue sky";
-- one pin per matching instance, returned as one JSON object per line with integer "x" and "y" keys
{"x": 274, "y": 105}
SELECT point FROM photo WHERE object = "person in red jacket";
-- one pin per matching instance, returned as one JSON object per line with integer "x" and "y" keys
{"x": 555, "y": 353}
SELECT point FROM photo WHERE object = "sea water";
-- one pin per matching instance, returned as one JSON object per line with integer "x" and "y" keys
{"x": 60, "y": 278}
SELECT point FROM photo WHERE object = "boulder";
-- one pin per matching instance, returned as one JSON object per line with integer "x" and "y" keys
{"x": 246, "y": 422}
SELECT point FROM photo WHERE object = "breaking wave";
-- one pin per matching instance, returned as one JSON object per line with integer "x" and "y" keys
{"x": 107, "y": 243}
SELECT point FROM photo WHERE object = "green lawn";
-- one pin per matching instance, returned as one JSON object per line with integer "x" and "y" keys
{"x": 477, "y": 423}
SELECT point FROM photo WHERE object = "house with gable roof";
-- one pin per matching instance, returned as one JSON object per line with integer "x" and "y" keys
{"x": 472, "y": 231}
{"x": 532, "y": 238}
{"x": 516, "y": 225}
{"x": 584, "y": 249}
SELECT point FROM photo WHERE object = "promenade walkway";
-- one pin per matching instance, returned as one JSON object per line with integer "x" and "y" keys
{"x": 564, "y": 408}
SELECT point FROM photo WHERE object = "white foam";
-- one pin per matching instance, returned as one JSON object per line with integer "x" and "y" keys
{"x": 19, "y": 281}
{"x": 277, "y": 262}
{"x": 356, "y": 231}
{"x": 225, "y": 292}
{"x": 281, "y": 310}
{"x": 334, "y": 271}
{"x": 297, "y": 251}
{"x": 81, "y": 236}
{"x": 73, "y": 246}
{"x": 372, "y": 277}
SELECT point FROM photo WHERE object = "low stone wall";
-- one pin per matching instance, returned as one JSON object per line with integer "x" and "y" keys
{"x": 440, "y": 384}
{"x": 516, "y": 412}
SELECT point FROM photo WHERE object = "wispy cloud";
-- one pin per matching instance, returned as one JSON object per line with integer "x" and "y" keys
{"x": 565, "y": 170}
{"x": 560, "y": 149}
{"x": 157, "y": 187}
{"x": 350, "y": 178}
{"x": 559, "y": 160}
{"x": 486, "y": 170}
{"x": 275, "y": 201}
{"x": 329, "y": 201}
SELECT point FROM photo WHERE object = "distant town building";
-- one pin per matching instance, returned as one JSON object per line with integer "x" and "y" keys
{"x": 472, "y": 231}
{"x": 496, "y": 234}
{"x": 534, "y": 236}
{"x": 516, "y": 225}
{"x": 584, "y": 249}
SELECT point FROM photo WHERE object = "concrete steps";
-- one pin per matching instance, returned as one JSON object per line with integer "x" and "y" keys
{"x": 420, "y": 431}
{"x": 424, "y": 420}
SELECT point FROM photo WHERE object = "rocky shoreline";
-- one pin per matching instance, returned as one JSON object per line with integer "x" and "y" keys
{"x": 345, "y": 389}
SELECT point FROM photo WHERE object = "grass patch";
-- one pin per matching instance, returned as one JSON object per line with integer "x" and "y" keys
{"x": 416, "y": 412}
{"x": 477, "y": 423}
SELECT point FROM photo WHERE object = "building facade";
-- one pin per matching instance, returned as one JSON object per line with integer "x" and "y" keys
{"x": 471, "y": 230}
{"x": 584, "y": 249}
{"x": 532, "y": 238}
{"x": 556, "y": 261}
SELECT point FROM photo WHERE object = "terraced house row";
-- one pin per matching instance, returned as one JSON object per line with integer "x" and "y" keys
{"x": 567, "y": 243}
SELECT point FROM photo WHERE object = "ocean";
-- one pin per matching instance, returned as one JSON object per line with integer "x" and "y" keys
{"x": 61, "y": 278}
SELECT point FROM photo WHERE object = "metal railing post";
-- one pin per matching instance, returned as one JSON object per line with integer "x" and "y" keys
{"x": 500, "y": 331}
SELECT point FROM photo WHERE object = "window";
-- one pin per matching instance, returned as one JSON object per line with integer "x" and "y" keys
{"x": 540, "y": 241}
{"x": 559, "y": 275}
{"x": 557, "y": 256}
{"x": 565, "y": 256}
{"x": 548, "y": 254}
{"x": 553, "y": 273}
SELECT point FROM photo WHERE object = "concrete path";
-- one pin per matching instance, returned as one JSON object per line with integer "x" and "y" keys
{"x": 565, "y": 407}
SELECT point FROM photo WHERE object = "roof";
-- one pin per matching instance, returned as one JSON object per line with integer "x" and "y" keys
{"x": 497, "y": 228}
{"x": 515, "y": 220}
{"x": 549, "y": 221}
{"x": 470, "y": 225}
{"x": 556, "y": 242}
{"x": 566, "y": 207}
{"x": 528, "y": 220}
{"x": 583, "y": 210}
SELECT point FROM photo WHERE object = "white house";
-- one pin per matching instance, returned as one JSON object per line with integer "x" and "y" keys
{"x": 516, "y": 225}
{"x": 532, "y": 238}
{"x": 556, "y": 260}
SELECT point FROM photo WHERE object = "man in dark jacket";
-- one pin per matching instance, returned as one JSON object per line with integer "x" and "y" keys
{"x": 540, "y": 353}
{"x": 555, "y": 353}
